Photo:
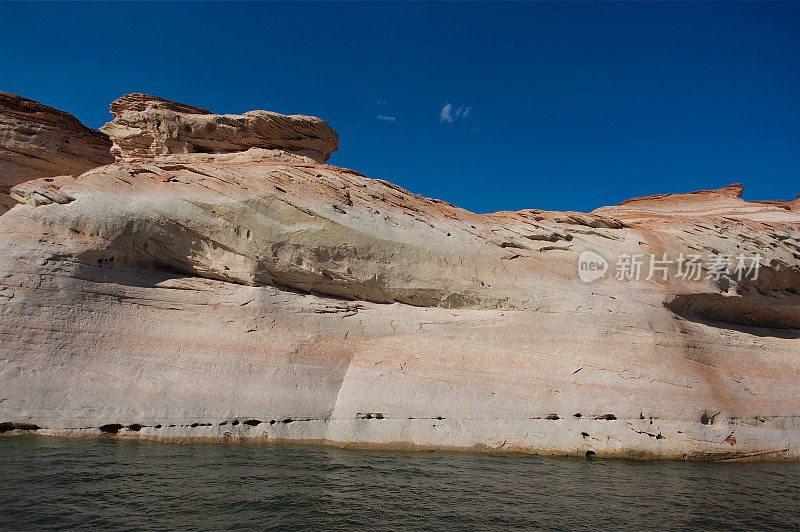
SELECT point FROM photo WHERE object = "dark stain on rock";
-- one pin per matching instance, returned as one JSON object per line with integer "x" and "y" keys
{"x": 370, "y": 415}
{"x": 705, "y": 419}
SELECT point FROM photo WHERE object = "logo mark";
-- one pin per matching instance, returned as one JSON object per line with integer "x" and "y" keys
{"x": 591, "y": 266}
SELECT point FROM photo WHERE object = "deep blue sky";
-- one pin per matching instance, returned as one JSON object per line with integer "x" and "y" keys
{"x": 571, "y": 105}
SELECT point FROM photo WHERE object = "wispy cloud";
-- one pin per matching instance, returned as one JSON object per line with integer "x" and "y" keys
{"x": 387, "y": 118}
{"x": 447, "y": 115}
{"x": 444, "y": 115}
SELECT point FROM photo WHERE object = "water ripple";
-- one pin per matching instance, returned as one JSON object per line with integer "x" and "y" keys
{"x": 50, "y": 483}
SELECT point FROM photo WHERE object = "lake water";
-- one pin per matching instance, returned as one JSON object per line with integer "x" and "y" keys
{"x": 50, "y": 483}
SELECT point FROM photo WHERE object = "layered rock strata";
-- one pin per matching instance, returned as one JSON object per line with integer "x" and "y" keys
{"x": 263, "y": 296}
{"x": 39, "y": 141}
{"x": 146, "y": 126}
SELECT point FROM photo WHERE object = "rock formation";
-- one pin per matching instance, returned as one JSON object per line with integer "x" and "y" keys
{"x": 146, "y": 126}
{"x": 263, "y": 296}
{"x": 39, "y": 141}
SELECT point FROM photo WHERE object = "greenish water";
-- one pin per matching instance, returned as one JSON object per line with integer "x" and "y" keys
{"x": 50, "y": 483}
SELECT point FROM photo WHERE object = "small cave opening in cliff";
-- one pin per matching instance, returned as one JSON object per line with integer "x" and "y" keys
{"x": 590, "y": 455}
{"x": 110, "y": 428}
{"x": 7, "y": 426}
{"x": 202, "y": 149}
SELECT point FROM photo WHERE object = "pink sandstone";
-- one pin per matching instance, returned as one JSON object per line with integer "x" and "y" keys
{"x": 261, "y": 295}
{"x": 39, "y": 141}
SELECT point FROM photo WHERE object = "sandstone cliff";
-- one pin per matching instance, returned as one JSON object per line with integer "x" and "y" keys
{"x": 261, "y": 295}
{"x": 39, "y": 141}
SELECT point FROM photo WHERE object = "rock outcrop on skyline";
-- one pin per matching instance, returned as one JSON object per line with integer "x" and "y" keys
{"x": 260, "y": 295}
{"x": 146, "y": 126}
{"x": 39, "y": 141}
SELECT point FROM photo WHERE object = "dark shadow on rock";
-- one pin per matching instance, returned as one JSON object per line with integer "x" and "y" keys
{"x": 775, "y": 315}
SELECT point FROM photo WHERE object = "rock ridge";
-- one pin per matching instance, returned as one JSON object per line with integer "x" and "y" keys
{"x": 149, "y": 126}
{"x": 39, "y": 141}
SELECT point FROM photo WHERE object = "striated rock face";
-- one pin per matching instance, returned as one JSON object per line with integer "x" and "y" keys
{"x": 262, "y": 296}
{"x": 39, "y": 141}
{"x": 146, "y": 126}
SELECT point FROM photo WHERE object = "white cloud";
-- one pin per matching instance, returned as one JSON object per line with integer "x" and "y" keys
{"x": 444, "y": 115}
{"x": 387, "y": 118}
